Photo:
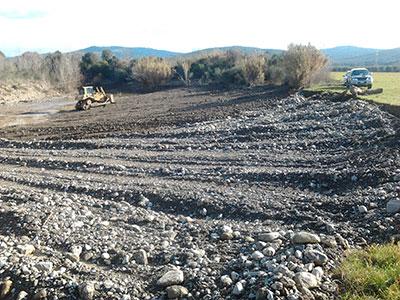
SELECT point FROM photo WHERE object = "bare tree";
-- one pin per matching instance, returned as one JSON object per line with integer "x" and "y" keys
{"x": 183, "y": 71}
{"x": 60, "y": 71}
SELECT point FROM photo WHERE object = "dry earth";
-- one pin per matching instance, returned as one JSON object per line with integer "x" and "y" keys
{"x": 247, "y": 194}
{"x": 16, "y": 91}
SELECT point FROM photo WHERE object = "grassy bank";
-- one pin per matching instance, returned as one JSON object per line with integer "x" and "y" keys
{"x": 390, "y": 82}
{"x": 373, "y": 273}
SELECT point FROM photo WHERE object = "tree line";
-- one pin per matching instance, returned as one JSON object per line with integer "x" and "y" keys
{"x": 389, "y": 68}
{"x": 57, "y": 69}
{"x": 297, "y": 67}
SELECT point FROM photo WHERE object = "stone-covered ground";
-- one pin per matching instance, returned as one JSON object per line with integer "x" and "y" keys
{"x": 195, "y": 194}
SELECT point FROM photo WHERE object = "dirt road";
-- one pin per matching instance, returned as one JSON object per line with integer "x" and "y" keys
{"x": 191, "y": 181}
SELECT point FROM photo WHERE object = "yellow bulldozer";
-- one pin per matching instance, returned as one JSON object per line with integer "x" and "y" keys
{"x": 90, "y": 96}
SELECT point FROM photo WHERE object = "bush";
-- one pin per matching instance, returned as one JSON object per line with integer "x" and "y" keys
{"x": 107, "y": 70}
{"x": 151, "y": 72}
{"x": 301, "y": 63}
{"x": 274, "y": 73}
{"x": 372, "y": 273}
{"x": 253, "y": 68}
{"x": 219, "y": 68}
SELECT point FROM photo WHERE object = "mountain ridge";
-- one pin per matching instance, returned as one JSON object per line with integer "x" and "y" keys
{"x": 338, "y": 56}
{"x": 349, "y": 56}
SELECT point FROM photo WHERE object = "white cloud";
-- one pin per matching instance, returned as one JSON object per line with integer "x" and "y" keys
{"x": 186, "y": 25}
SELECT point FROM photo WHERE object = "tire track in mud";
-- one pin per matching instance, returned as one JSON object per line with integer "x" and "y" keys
{"x": 168, "y": 188}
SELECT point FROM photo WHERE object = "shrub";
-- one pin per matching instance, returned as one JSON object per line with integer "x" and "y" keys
{"x": 182, "y": 70}
{"x": 372, "y": 273}
{"x": 301, "y": 63}
{"x": 253, "y": 68}
{"x": 275, "y": 73}
{"x": 218, "y": 68}
{"x": 323, "y": 76}
{"x": 151, "y": 72}
{"x": 107, "y": 70}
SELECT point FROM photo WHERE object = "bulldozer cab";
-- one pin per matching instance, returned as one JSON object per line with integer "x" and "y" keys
{"x": 86, "y": 91}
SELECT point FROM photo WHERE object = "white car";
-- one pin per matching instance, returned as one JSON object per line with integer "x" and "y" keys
{"x": 346, "y": 77}
{"x": 359, "y": 77}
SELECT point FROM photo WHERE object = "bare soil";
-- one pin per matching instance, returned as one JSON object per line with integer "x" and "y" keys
{"x": 165, "y": 171}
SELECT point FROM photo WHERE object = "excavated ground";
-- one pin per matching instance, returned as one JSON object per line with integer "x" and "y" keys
{"x": 101, "y": 204}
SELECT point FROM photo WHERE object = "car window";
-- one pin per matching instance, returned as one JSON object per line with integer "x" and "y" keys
{"x": 359, "y": 72}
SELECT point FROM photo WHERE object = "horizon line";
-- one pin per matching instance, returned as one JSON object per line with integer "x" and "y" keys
{"x": 52, "y": 50}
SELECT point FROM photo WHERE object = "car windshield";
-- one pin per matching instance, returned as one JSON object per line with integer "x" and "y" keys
{"x": 359, "y": 73}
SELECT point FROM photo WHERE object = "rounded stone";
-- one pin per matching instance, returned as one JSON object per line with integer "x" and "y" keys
{"x": 173, "y": 277}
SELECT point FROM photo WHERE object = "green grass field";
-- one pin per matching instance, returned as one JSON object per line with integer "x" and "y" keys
{"x": 390, "y": 82}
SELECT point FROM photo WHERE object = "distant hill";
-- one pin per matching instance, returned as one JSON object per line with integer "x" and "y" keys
{"x": 356, "y": 56}
{"x": 339, "y": 56}
{"x": 138, "y": 52}
{"x": 127, "y": 52}
{"x": 343, "y": 56}
{"x": 246, "y": 50}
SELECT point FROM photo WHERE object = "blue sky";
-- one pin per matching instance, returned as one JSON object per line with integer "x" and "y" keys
{"x": 185, "y": 25}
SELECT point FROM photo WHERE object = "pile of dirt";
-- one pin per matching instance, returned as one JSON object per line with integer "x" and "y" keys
{"x": 196, "y": 195}
{"x": 25, "y": 91}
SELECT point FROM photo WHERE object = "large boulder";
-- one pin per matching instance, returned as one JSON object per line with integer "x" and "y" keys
{"x": 317, "y": 257}
{"x": 304, "y": 237}
{"x": 173, "y": 277}
{"x": 176, "y": 292}
{"x": 86, "y": 291}
{"x": 305, "y": 280}
{"x": 393, "y": 206}
{"x": 269, "y": 236}
{"x": 140, "y": 257}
